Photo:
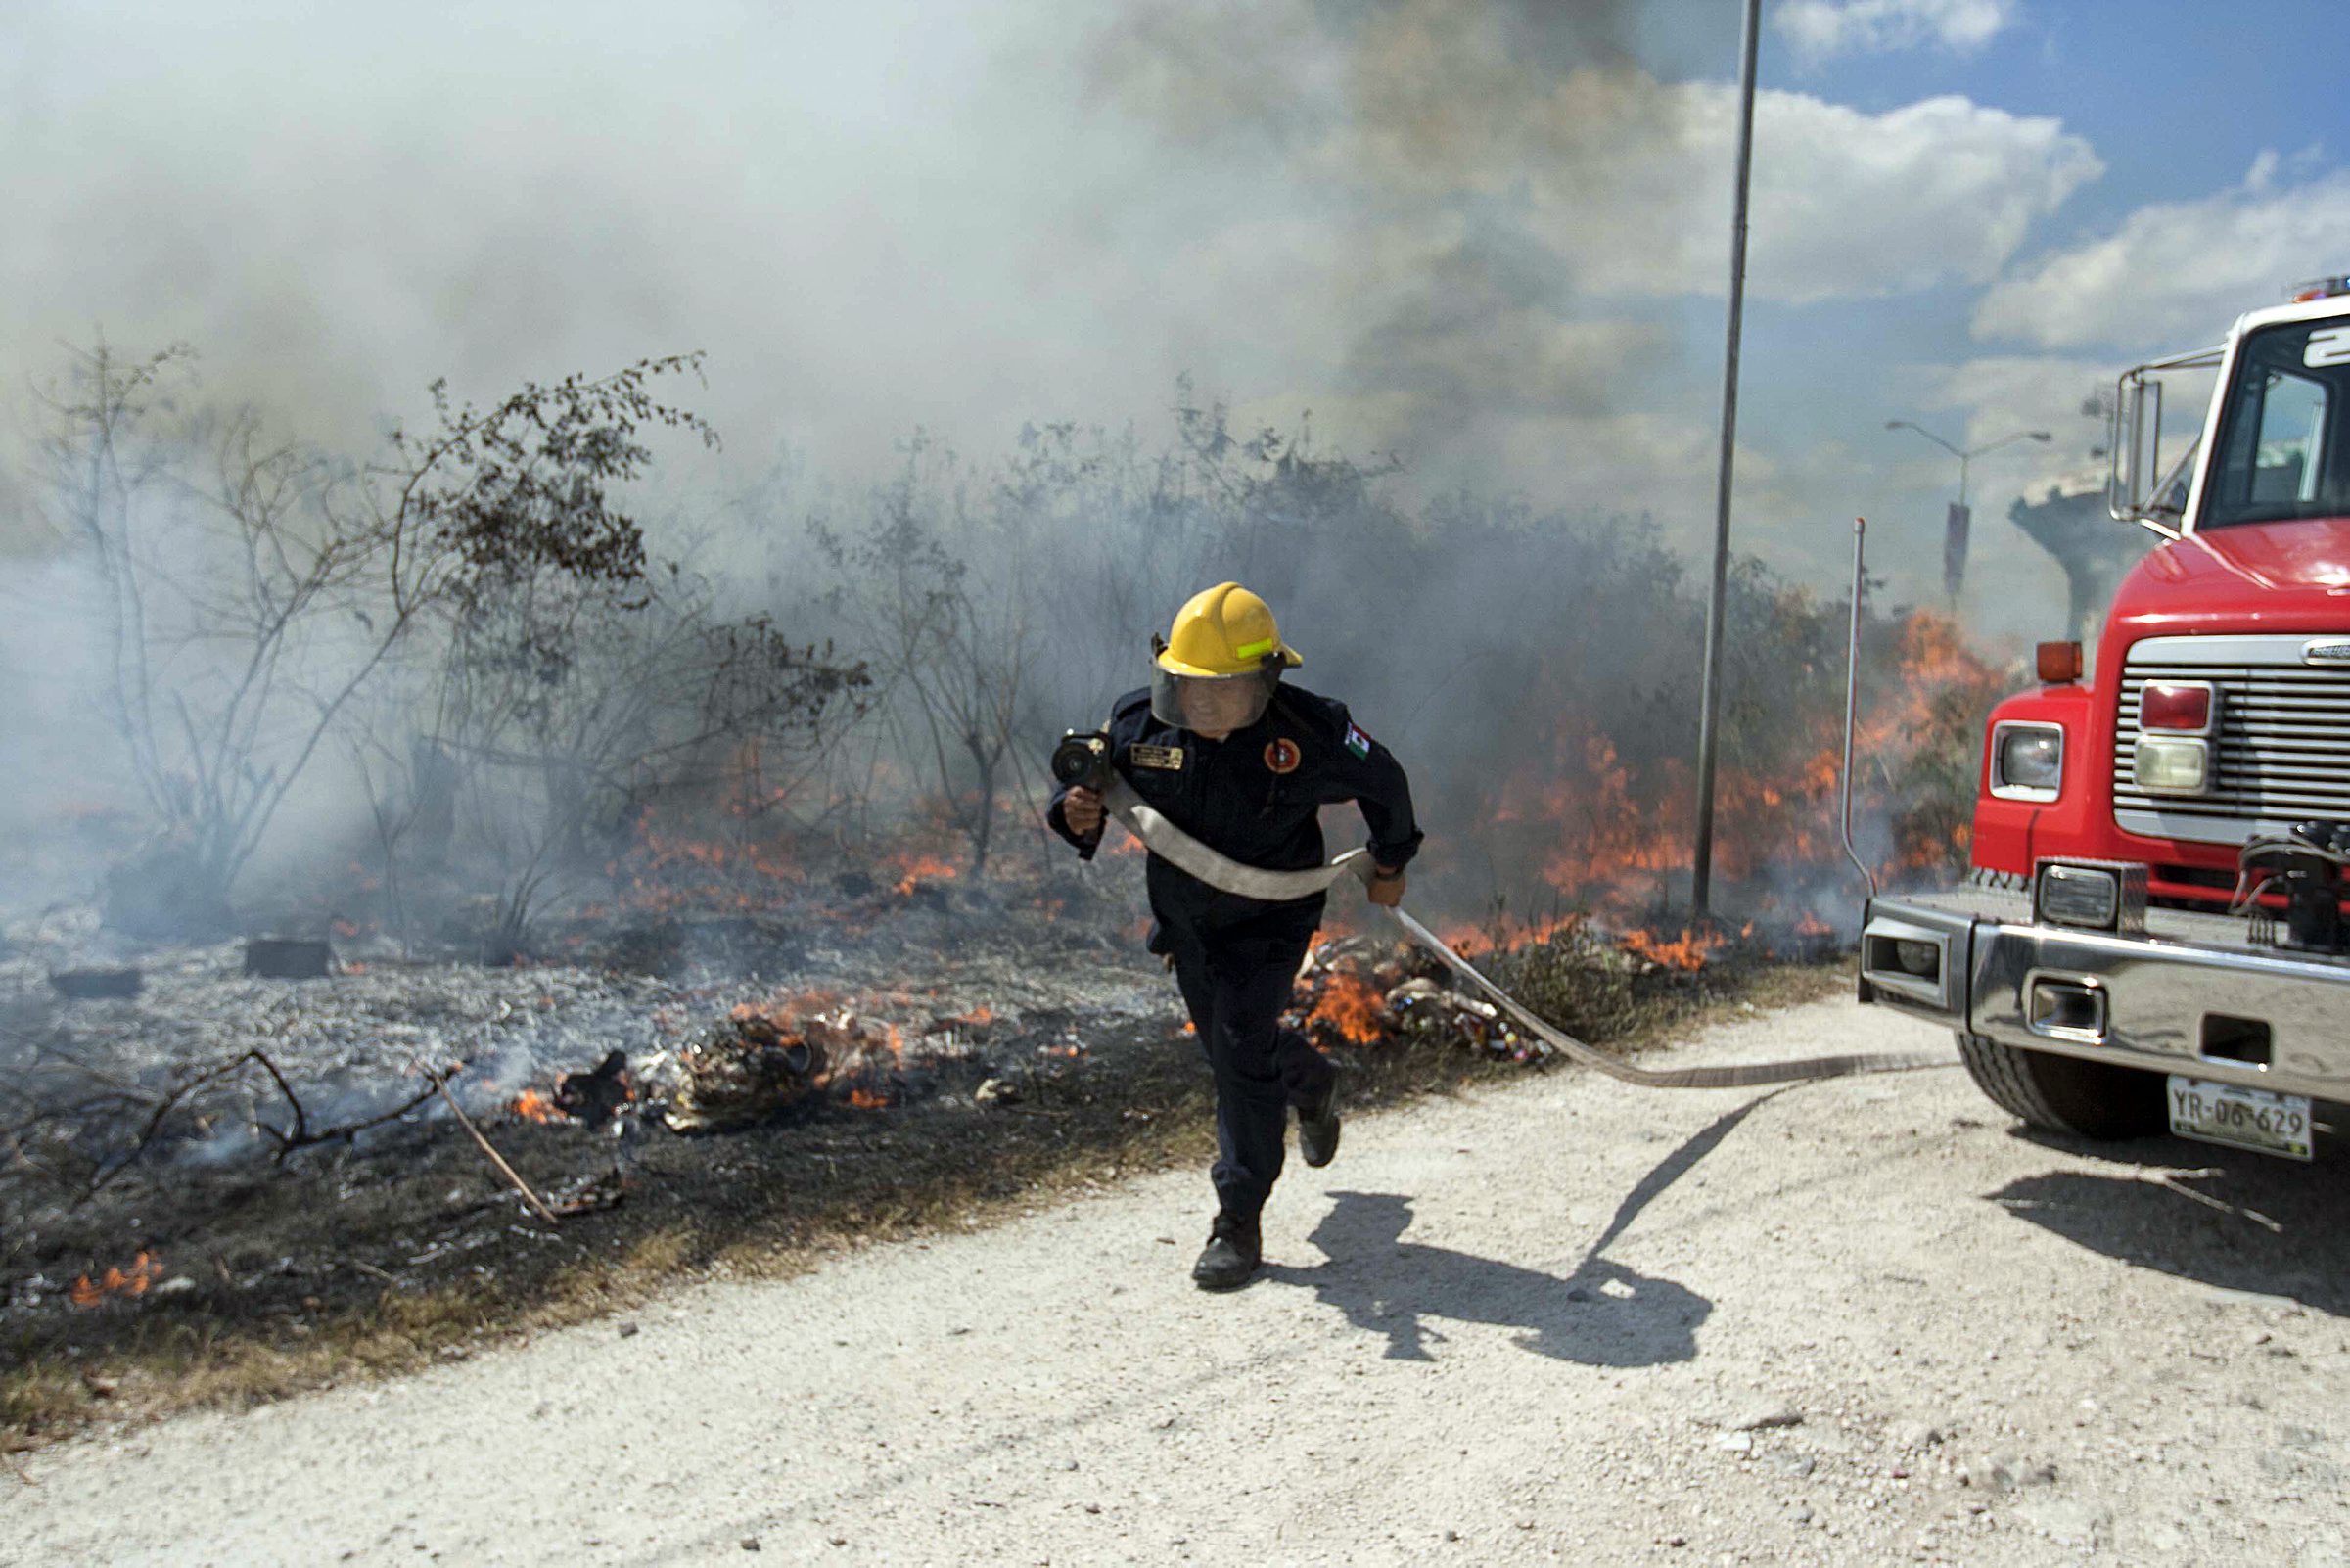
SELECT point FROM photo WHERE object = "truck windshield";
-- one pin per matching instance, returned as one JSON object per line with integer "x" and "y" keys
{"x": 2284, "y": 432}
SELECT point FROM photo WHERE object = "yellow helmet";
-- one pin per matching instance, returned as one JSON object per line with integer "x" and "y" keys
{"x": 1226, "y": 630}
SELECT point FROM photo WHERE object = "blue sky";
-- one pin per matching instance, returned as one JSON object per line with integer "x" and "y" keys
{"x": 2178, "y": 102}
{"x": 1487, "y": 236}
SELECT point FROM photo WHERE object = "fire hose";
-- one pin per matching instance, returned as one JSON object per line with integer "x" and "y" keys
{"x": 1186, "y": 854}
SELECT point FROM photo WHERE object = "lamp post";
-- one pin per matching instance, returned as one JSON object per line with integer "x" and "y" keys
{"x": 1971, "y": 453}
{"x": 1701, "y": 862}
{"x": 1954, "y": 539}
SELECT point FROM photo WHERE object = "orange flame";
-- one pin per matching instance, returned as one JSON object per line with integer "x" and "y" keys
{"x": 1353, "y": 1007}
{"x": 919, "y": 868}
{"x": 533, "y": 1106}
{"x": 1606, "y": 826}
{"x": 1689, "y": 950}
{"x": 145, "y": 1271}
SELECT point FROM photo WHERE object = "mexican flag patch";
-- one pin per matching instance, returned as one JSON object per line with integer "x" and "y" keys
{"x": 1358, "y": 742}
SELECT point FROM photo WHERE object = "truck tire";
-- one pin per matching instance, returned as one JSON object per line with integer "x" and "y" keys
{"x": 2064, "y": 1093}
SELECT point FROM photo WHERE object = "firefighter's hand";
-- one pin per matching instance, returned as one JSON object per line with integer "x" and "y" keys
{"x": 1386, "y": 886}
{"x": 1082, "y": 809}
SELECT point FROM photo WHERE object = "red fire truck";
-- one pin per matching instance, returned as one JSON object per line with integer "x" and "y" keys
{"x": 2153, "y": 933}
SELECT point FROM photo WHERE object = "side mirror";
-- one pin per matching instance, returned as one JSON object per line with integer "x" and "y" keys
{"x": 2139, "y": 488}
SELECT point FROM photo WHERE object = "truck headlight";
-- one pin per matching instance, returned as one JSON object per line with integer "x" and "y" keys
{"x": 2027, "y": 762}
{"x": 1920, "y": 958}
{"x": 2171, "y": 764}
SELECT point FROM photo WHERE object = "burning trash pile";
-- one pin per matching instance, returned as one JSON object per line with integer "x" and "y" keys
{"x": 763, "y": 1060}
{"x": 1361, "y": 990}
{"x": 766, "y": 1058}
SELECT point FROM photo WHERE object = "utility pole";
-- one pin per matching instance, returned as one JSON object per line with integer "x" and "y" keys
{"x": 1701, "y": 874}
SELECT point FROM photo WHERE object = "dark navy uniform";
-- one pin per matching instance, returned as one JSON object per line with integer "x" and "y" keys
{"x": 1256, "y": 796}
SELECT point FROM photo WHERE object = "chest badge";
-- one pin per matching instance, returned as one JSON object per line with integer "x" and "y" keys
{"x": 1282, "y": 756}
{"x": 1169, "y": 758}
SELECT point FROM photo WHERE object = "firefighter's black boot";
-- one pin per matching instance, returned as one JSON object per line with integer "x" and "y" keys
{"x": 1317, "y": 1129}
{"x": 1232, "y": 1253}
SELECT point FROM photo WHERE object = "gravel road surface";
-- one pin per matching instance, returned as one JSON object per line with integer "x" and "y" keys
{"x": 1864, "y": 1322}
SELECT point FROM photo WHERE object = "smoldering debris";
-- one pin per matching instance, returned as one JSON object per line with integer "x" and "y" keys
{"x": 595, "y": 1097}
{"x": 742, "y": 1071}
{"x": 199, "y": 1055}
{"x": 213, "y": 1107}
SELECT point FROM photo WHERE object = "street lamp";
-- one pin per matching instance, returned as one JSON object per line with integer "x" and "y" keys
{"x": 1971, "y": 453}
{"x": 1953, "y": 539}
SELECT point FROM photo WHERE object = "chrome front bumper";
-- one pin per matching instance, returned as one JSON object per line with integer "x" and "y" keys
{"x": 2190, "y": 995}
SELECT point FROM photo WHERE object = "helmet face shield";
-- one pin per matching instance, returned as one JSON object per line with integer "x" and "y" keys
{"x": 1212, "y": 705}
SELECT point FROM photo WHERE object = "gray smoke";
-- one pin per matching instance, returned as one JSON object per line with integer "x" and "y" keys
{"x": 1011, "y": 230}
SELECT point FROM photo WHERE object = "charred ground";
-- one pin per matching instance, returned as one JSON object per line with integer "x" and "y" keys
{"x": 1033, "y": 1053}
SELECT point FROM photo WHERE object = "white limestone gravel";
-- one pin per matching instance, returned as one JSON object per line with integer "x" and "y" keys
{"x": 1855, "y": 1322}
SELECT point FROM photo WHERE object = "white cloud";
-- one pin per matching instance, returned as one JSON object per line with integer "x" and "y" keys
{"x": 1994, "y": 396}
{"x": 1845, "y": 202}
{"x": 2177, "y": 272}
{"x": 1821, "y": 29}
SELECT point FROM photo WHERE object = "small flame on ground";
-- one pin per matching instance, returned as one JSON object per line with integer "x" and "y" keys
{"x": 533, "y": 1106}
{"x": 866, "y": 1099}
{"x": 144, "y": 1272}
{"x": 1689, "y": 950}
{"x": 1352, "y": 1006}
{"x": 920, "y": 868}
{"x": 1470, "y": 941}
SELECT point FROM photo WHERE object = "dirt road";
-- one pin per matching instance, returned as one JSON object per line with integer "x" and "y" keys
{"x": 1853, "y": 1322}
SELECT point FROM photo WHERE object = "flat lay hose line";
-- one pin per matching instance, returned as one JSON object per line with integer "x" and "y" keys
{"x": 1225, "y": 874}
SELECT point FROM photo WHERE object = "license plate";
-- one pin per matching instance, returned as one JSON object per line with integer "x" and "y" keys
{"x": 2240, "y": 1118}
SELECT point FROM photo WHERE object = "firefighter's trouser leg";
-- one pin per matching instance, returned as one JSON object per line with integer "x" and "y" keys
{"x": 1237, "y": 984}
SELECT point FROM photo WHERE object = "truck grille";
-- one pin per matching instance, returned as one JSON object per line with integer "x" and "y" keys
{"x": 2283, "y": 747}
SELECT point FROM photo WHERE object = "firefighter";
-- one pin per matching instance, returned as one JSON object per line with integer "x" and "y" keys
{"x": 1243, "y": 763}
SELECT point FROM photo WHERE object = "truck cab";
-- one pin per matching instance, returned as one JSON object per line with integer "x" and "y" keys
{"x": 2153, "y": 932}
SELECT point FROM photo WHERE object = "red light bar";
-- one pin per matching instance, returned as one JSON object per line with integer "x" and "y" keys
{"x": 2164, "y": 704}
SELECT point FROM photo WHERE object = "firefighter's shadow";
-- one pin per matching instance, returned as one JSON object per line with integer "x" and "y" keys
{"x": 1602, "y": 1314}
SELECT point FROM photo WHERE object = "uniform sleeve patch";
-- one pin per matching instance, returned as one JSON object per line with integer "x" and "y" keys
{"x": 1358, "y": 742}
